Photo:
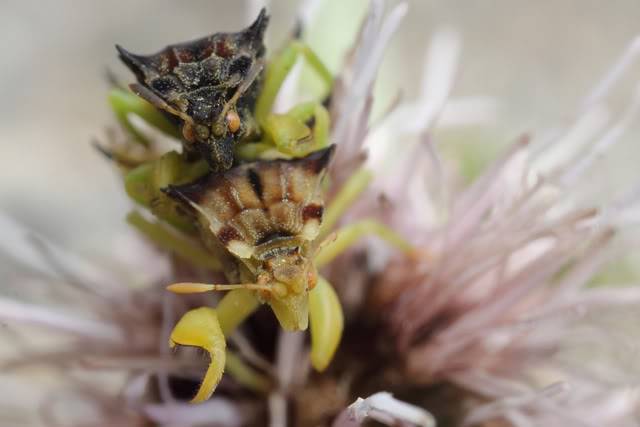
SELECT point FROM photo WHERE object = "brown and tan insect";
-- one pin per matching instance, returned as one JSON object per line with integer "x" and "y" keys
{"x": 267, "y": 214}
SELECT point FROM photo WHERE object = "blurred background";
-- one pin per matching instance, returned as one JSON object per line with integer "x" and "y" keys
{"x": 538, "y": 59}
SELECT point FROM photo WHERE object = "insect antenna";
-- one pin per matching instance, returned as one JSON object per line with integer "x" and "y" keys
{"x": 194, "y": 288}
{"x": 158, "y": 102}
{"x": 252, "y": 74}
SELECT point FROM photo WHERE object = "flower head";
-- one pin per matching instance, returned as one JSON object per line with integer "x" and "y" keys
{"x": 495, "y": 315}
{"x": 501, "y": 276}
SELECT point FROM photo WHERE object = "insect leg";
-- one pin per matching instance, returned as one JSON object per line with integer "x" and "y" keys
{"x": 124, "y": 103}
{"x": 291, "y": 133}
{"x": 145, "y": 183}
{"x": 234, "y": 308}
{"x": 180, "y": 245}
{"x": 348, "y": 194}
{"x": 200, "y": 328}
{"x": 253, "y": 151}
{"x": 316, "y": 115}
{"x": 207, "y": 328}
{"x": 351, "y": 233}
{"x": 320, "y": 127}
{"x": 279, "y": 68}
{"x": 326, "y": 322}
{"x": 246, "y": 375}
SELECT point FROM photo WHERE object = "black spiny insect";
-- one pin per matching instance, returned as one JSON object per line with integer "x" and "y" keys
{"x": 209, "y": 86}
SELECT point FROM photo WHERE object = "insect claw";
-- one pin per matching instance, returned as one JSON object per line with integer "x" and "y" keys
{"x": 200, "y": 328}
{"x": 327, "y": 322}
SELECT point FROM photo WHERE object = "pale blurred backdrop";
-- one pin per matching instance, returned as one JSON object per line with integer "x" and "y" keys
{"x": 537, "y": 58}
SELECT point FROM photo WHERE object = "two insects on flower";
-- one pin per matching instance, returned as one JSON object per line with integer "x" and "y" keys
{"x": 248, "y": 183}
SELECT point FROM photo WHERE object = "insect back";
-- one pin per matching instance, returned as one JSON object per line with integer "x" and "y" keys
{"x": 267, "y": 214}
{"x": 209, "y": 86}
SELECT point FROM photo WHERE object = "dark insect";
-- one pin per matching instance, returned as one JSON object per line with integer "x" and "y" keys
{"x": 209, "y": 86}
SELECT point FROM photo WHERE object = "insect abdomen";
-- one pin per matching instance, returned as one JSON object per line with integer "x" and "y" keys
{"x": 257, "y": 203}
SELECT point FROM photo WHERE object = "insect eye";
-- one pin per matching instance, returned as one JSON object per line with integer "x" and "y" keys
{"x": 233, "y": 121}
{"x": 188, "y": 132}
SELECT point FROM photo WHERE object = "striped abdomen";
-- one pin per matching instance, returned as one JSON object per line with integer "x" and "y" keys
{"x": 260, "y": 208}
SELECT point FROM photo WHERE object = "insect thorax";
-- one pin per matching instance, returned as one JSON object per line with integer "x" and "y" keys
{"x": 195, "y": 83}
{"x": 267, "y": 214}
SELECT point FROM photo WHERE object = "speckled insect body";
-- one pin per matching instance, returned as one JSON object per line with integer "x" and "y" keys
{"x": 209, "y": 86}
{"x": 267, "y": 214}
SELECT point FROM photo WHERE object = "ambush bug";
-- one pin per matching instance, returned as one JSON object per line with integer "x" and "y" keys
{"x": 217, "y": 91}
